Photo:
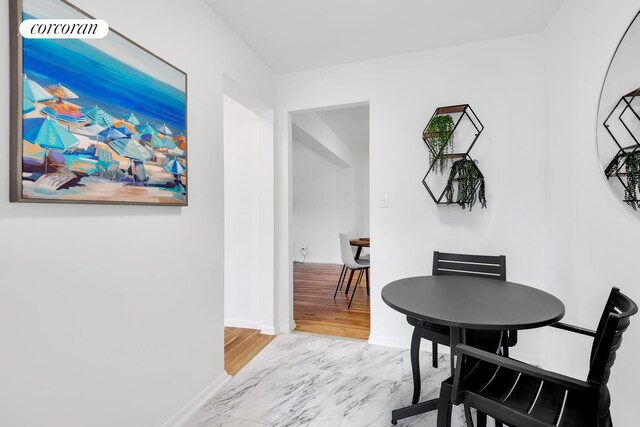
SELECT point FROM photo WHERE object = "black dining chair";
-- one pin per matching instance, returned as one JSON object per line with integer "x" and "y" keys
{"x": 522, "y": 395}
{"x": 492, "y": 267}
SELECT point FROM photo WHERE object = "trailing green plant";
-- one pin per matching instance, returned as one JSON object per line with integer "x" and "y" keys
{"x": 439, "y": 136}
{"x": 470, "y": 184}
{"x": 632, "y": 166}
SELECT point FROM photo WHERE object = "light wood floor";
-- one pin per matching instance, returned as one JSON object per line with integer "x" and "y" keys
{"x": 315, "y": 310}
{"x": 240, "y": 346}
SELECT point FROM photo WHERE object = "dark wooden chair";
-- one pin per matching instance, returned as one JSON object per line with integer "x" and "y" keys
{"x": 493, "y": 267}
{"x": 521, "y": 395}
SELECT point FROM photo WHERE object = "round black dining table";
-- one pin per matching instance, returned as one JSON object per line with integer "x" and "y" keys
{"x": 473, "y": 302}
{"x": 467, "y": 302}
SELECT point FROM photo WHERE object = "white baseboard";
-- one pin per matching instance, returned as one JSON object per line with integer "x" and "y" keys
{"x": 268, "y": 330}
{"x": 239, "y": 323}
{"x": 197, "y": 402}
{"x": 250, "y": 324}
{"x": 286, "y": 328}
{"x": 323, "y": 261}
{"x": 388, "y": 341}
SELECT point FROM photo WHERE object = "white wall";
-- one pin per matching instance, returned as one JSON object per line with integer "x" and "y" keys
{"x": 591, "y": 238}
{"x": 361, "y": 203}
{"x": 316, "y": 211}
{"x": 327, "y": 200}
{"x": 243, "y": 278}
{"x": 104, "y": 320}
{"x": 503, "y": 81}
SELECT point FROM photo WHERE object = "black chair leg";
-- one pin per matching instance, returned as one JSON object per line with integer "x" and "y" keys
{"x": 349, "y": 282}
{"x": 416, "y": 339}
{"x": 340, "y": 280}
{"x": 498, "y": 423}
{"x": 444, "y": 404}
{"x": 434, "y": 354}
{"x": 482, "y": 419}
{"x": 505, "y": 350}
{"x": 366, "y": 272}
{"x": 355, "y": 288}
{"x": 342, "y": 275}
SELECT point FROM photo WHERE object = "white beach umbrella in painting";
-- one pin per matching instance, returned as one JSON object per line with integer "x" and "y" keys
{"x": 175, "y": 167}
{"x": 90, "y": 130}
{"x": 33, "y": 91}
{"x": 93, "y": 129}
{"x": 61, "y": 92}
{"x": 164, "y": 129}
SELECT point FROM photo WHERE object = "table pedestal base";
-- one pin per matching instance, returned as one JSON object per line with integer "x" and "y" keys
{"x": 412, "y": 410}
{"x": 441, "y": 404}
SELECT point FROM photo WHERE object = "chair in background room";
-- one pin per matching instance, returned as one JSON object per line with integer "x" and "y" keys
{"x": 361, "y": 266}
{"x": 351, "y": 234}
{"x": 520, "y": 395}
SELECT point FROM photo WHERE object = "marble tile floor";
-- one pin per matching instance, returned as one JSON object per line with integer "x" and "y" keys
{"x": 309, "y": 380}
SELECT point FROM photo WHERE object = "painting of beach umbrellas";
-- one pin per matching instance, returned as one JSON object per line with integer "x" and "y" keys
{"x": 98, "y": 120}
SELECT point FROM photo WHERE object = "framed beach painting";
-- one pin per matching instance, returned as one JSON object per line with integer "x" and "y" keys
{"x": 94, "y": 120}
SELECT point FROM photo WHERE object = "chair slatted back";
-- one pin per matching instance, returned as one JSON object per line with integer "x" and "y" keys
{"x": 614, "y": 321}
{"x": 490, "y": 267}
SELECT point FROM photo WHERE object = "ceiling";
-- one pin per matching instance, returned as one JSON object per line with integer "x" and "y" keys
{"x": 294, "y": 35}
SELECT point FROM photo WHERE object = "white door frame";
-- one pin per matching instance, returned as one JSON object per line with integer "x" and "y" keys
{"x": 284, "y": 209}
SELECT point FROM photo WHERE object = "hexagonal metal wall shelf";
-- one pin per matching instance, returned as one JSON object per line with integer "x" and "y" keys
{"x": 463, "y": 112}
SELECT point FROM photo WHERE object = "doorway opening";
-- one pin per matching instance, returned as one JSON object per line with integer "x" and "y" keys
{"x": 248, "y": 227}
{"x": 330, "y": 195}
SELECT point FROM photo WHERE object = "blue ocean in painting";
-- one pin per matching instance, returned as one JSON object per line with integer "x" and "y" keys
{"x": 100, "y": 79}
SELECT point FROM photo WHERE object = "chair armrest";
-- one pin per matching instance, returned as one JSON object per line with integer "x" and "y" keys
{"x": 515, "y": 365}
{"x": 575, "y": 329}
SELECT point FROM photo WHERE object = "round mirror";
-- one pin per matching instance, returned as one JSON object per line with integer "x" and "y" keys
{"x": 618, "y": 131}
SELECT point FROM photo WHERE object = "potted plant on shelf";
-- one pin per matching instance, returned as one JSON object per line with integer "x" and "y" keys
{"x": 470, "y": 184}
{"x": 439, "y": 136}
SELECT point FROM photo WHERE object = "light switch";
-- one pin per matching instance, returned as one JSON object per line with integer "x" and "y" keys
{"x": 384, "y": 201}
